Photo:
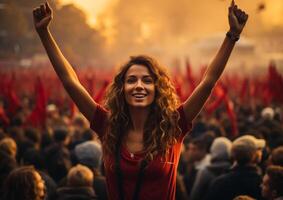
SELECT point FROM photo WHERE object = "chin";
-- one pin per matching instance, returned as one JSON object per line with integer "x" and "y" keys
{"x": 139, "y": 105}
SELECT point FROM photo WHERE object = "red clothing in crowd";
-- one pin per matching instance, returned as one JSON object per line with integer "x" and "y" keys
{"x": 159, "y": 181}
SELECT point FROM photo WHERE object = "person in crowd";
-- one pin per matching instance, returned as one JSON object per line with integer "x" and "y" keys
{"x": 243, "y": 197}
{"x": 8, "y": 162}
{"x": 24, "y": 183}
{"x": 267, "y": 118}
{"x": 57, "y": 156}
{"x": 36, "y": 159}
{"x": 181, "y": 192}
{"x": 53, "y": 117}
{"x": 143, "y": 124}
{"x": 220, "y": 153}
{"x": 34, "y": 136}
{"x": 197, "y": 159}
{"x": 276, "y": 156}
{"x": 90, "y": 154}
{"x": 23, "y": 143}
{"x": 272, "y": 183}
{"x": 244, "y": 177}
{"x": 79, "y": 185}
{"x": 79, "y": 126}
{"x": 9, "y": 146}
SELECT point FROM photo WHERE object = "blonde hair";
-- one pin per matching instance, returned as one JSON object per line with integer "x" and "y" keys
{"x": 9, "y": 146}
{"x": 80, "y": 176}
{"x": 243, "y": 197}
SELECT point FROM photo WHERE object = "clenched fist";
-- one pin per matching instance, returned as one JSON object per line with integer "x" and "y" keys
{"x": 42, "y": 16}
{"x": 237, "y": 19}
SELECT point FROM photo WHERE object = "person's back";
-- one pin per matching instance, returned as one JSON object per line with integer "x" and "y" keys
{"x": 99, "y": 186}
{"x": 240, "y": 180}
{"x": 57, "y": 156}
{"x": 89, "y": 153}
{"x": 79, "y": 185}
{"x": 7, "y": 164}
{"x": 220, "y": 163}
{"x": 8, "y": 152}
{"x": 244, "y": 177}
{"x": 79, "y": 193}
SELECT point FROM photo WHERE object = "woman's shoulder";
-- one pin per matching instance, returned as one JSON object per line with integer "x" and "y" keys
{"x": 99, "y": 119}
{"x": 183, "y": 123}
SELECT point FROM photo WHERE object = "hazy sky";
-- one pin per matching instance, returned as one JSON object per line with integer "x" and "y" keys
{"x": 272, "y": 14}
{"x": 91, "y": 7}
{"x": 163, "y": 27}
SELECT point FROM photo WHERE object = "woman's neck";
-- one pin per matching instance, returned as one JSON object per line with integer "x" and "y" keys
{"x": 138, "y": 117}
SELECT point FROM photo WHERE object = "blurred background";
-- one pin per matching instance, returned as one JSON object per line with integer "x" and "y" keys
{"x": 104, "y": 33}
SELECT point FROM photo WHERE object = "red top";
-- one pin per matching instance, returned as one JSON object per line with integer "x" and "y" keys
{"x": 159, "y": 181}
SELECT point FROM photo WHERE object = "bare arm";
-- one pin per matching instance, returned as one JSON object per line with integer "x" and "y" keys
{"x": 87, "y": 106}
{"x": 194, "y": 104}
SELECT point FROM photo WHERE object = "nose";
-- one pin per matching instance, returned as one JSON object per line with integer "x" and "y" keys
{"x": 139, "y": 85}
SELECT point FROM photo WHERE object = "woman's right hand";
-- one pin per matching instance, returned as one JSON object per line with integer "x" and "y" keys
{"x": 42, "y": 16}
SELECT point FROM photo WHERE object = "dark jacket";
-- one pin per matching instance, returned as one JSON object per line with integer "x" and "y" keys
{"x": 58, "y": 161}
{"x": 206, "y": 176}
{"x": 99, "y": 185}
{"x": 74, "y": 193}
{"x": 241, "y": 180}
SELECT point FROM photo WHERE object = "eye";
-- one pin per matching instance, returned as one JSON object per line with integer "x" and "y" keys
{"x": 131, "y": 80}
{"x": 148, "y": 80}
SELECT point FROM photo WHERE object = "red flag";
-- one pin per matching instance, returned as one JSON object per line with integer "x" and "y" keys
{"x": 90, "y": 81}
{"x": 274, "y": 84}
{"x": 178, "y": 82}
{"x": 232, "y": 116}
{"x": 38, "y": 115}
{"x": 9, "y": 92}
{"x": 190, "y": 77}
{"x": 3, "y": 117}
{"x": 220, "y": 94}
{"x": 244, "y": 89}
{"x": 98, "y": 97}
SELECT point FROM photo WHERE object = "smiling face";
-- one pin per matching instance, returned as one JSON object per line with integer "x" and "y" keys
{"x": 139, "y": 88}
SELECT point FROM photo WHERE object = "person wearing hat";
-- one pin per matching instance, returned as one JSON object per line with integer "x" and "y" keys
{"x": 244, "y": 177}
{"x": 220, "y": 151}
{"x": 89, "y": 153}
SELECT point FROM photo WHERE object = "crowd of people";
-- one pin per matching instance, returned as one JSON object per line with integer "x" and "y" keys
{"x": 143, "y": 143}
{"x": 63, "y": 159}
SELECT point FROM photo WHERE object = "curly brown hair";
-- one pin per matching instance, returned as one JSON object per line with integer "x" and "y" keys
{"x": 21, "y": 184}
{"x": 161, "y": 127}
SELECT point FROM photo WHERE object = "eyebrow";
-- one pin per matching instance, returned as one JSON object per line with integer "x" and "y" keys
{"x": 145, "y": 76}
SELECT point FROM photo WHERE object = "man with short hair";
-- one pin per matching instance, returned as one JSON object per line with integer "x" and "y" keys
{"x": 244, "y": 177}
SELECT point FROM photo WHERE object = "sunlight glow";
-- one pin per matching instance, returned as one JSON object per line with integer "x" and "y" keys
{"x": 91, "y": 7}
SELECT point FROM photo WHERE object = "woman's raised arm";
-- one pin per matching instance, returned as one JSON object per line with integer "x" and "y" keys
{"x": 42, "y": 17}
{"x": 194, "y": 104}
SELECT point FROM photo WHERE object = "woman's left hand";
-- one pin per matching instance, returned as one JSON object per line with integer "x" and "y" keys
{"x": 237, "y": 19}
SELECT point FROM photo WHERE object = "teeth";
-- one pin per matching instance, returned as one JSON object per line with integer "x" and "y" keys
{"x": 139, "y": 95}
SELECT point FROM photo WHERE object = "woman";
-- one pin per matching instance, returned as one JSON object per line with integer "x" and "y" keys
{"x": 144, "y": 125}
{"x": 24, "y": 183}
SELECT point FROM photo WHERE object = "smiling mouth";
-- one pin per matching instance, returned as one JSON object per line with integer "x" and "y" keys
{"x": 139, "y": 96}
